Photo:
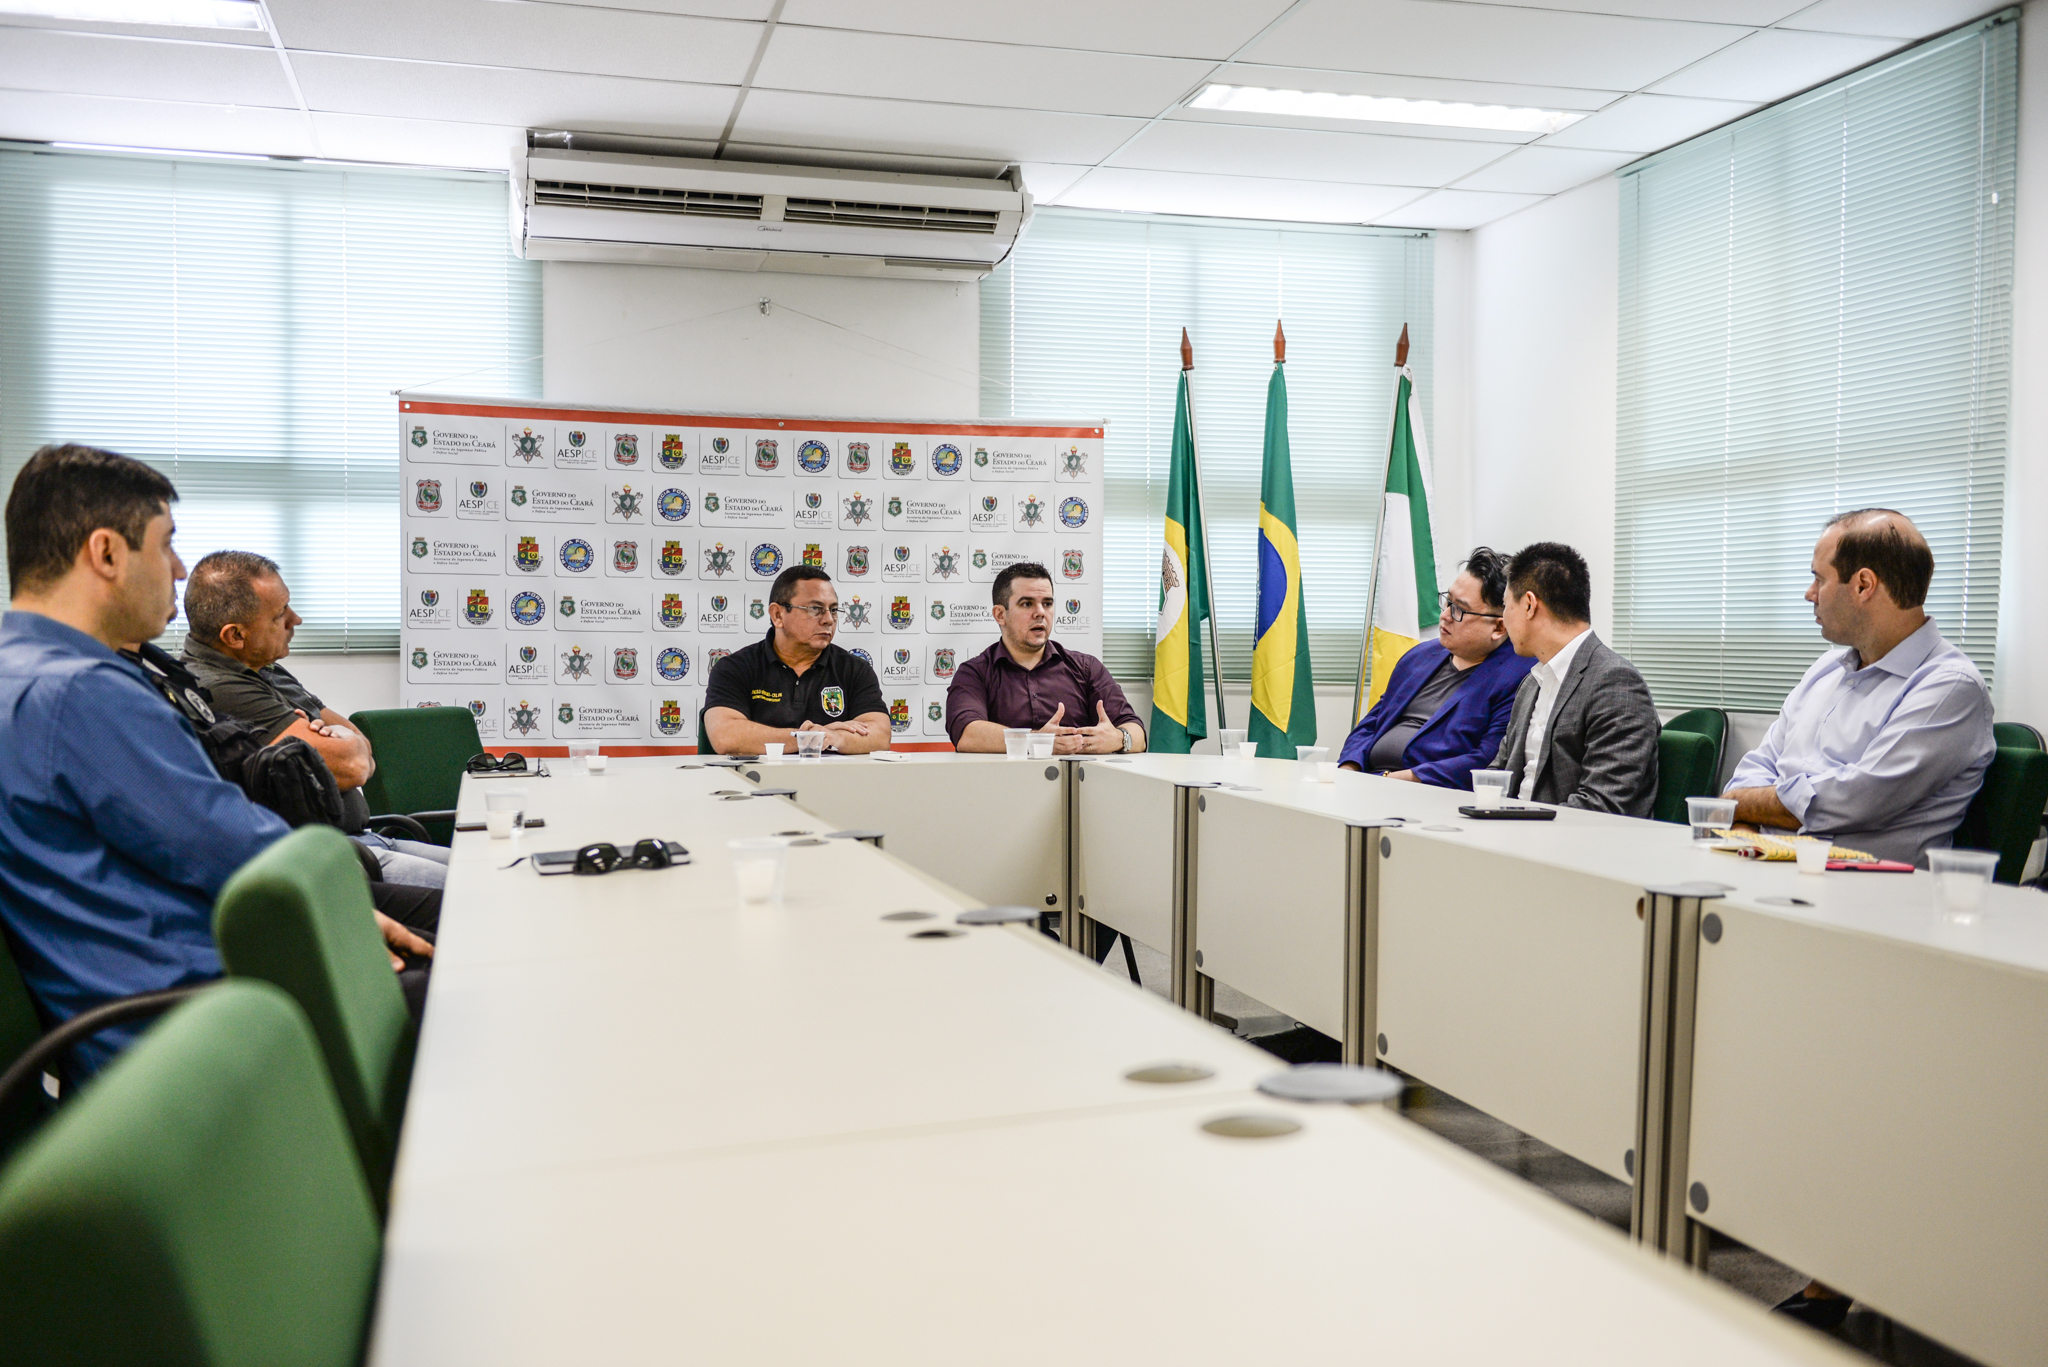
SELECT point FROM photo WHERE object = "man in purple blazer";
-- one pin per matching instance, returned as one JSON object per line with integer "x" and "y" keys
{"x": 1448, "y": 701}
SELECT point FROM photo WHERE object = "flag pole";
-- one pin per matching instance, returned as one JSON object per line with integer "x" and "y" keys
{"x": 1372, "y": 585}
{"x": 1187, "y": 366}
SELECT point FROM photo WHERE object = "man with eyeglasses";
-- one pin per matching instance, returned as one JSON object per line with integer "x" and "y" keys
{"x": 794, "y": 679}
{"x": 1448, "y": 701}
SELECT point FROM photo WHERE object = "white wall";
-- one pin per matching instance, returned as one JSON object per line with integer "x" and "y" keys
{"x": 1450, "y": 434}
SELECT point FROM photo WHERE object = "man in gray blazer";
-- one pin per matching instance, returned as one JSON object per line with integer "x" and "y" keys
{"x": 1584, "y": 732}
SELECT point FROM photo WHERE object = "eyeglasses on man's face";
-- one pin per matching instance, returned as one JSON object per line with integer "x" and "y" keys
{"x": 820, "y": 611}
{"x": 1451, "y": 608}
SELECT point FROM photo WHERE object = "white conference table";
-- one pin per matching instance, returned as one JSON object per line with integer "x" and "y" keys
{"x": 650, "y": 1125}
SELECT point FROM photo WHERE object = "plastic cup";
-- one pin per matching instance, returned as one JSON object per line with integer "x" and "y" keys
{"x": 1960, "y": 877}
{"x": 810, "y": 745}
{"x": 771, "y": 750}
{"x": 1016, "y": 741}
{"x": 1309, "y": 756}
{"x": 1811, "y": 854}
{"x": 504, "y": 811}
{"x": 1041, "y": 744}
{"x": 1248, "y": 749}
{"x": 1490, "y": 786}
{"x": 580, "y": 752}
{"x": 1228, "y": 743}
{"x": 595, "y": 763}
{"x": 759, "y": 866}
{"x": 501, "y": 824}
{"x": 1710, "y": 816}
{"x": 1326, "y": 771}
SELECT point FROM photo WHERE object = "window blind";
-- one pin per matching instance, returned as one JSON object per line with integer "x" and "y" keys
{"x": 240, "y": 326}
{"x": 1815, "y": 318}
{"x": 1084, "y": 320}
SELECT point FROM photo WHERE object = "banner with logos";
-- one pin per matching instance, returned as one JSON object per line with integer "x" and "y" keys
{"x": 574, "y": 573}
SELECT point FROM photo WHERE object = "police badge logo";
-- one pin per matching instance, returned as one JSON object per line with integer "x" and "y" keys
{"x": 1073, "y": 607}
{"x": 527, "y": 554}
{"x": 522, "y": 718}
{"x": 427, "y": 495}
{"x": 1073, "y": 512}
{"x": 721, "y": 445}
{"x": 833, "y": 699}
{"x": 718, "y": 602}
{"x": 935, "y": 711}
{"x": 575, "y": 664}
{"x": 856, "y": 562}
{"x": 419, "y": 657}
{"x": 862, "y": 656}
{"x": 945, "y": 562}
{"x": 814, "y": 457}
{"x": 671, "y": 612}
{"x": 625, "y": 663}
{"x": 981, "y": 456}
{"x": 989, "y": 502}
{"x": 419, "y": 436}
{"x": 902, "y": 656}
{"x": 670, "y": 722}
{"x": 626, "y": 503}
{"x": 1074, "y": 465}
{"x": 900, "y": 554}
{"x": 576, "y": 555}
{"x": 672, "y": 456}
{"x": 419, "y": 548}
{"x": 477, "y": 611}
{"x": 1070, "y": 564}
{"x": 712, "y": 657}
{"x": 1031, "y": 512}
{"x": 899, "y": 714}
{"x": 565, "y": 714}
{"x": 626, "y": 557}
{"x": 858, "y": 508}
{"x": 980, "y": 559}
{"x": 576, "y": 439}
{"x": 710, "y": 505}
{"x": 900, "y": 614}
{"x": 814, "y": 500}
{"x": 626, "y": 448}
{"x": 673, "y": 664}
{"x": 674, "y": 504}
{"x": 671, "y": 557}
{"x": 528, "y": 609}
{"x": 857, "y": 612}
{"x": 476, "y": 708}
{"x": 567, "y": 607}
{"x": 942, "y": 662}
{"x": 765, "y": 458}
{"x": 814, "y": 554}
{"x": 527, "y": 444}
{"x": 946, "y": 458}
{"x": 856, "y": 458}
{"x": 718, "y": 561}
{"x": 766, "y": 560}
{"x": 756, "y": 609}
{"x": 901, "y": 462}
{"x": 895, "y": 507}
{"x": 519, "y": 495}
{"x": 479, "y": 489}
{"x": 430, "y": 597}
{"x": 938, "y": 611}
{"x": 527, "y": 654}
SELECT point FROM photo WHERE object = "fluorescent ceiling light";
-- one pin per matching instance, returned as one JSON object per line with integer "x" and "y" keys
{"x": 244, "y": 14}
{"x": 1315, "y": 104}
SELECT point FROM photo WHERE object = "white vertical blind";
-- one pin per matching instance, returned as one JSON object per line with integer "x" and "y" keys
{"x": 1084, "y": 321}
{"x": 1815, "y": 317}
{"x": 240, "y": 326}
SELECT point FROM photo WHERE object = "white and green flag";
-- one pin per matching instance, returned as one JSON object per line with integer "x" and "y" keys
{"x": 1404, "y": 606}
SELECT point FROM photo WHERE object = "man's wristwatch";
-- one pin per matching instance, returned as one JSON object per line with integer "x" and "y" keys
{"x": 1126, "y": 734}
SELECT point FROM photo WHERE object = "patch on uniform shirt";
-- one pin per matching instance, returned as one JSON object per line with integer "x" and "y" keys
{"x": 198, "y": 704}
{"x": 834, "y": 700}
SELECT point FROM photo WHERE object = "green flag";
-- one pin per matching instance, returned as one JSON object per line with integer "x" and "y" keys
{"x": 1178, "y": 718}
{"x": 1404, "y": 608}
{"x": 1283, "y": 687}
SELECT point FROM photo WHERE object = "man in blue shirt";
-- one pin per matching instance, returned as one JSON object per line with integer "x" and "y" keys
{"x": 116, "y": 833}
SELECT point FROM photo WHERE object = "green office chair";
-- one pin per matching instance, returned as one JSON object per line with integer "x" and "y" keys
{"x": 20, "y": 1028}
{"x": 420, "y": 754}
{"x": 703, "y": 735}
{"x": 196, "y": 1204}
{"x": 1710, "y": 722}
{"x": 1688, "y": 765}
{"x": 298, "y": 915}
{"x": 2017, "y": 735}
{"x": 2006, "y": 814}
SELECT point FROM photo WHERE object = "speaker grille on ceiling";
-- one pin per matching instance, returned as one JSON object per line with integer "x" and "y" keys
{"x": 903, "y": 217}
{"x": 647, "y": 199}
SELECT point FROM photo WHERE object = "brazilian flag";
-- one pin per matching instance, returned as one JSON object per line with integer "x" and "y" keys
{"x": 1178, "y": 717}
{"x": 1283, "y": 687}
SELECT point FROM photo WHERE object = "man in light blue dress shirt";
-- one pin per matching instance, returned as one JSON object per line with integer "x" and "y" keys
{"x": 1884, "y": 743}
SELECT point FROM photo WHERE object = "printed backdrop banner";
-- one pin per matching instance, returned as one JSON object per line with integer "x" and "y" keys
{"x": 574, "y": 574}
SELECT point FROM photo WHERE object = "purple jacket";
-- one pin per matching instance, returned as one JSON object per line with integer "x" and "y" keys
{"x": 994, "y": 687}
{"x": 1465, "y": 732}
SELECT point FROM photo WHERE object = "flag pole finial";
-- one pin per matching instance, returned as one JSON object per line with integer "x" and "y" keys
{"x": 1187, "y": 351}
{"x": 1401, "y": 348}
{"x": 1279, "y": 344}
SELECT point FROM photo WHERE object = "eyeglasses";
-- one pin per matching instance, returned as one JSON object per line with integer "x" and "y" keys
{"x": 511, "y": 762}
{"x": 817, "y": 610}
{"x": 603, "y": 857}
{"x": 1458, "y": 612}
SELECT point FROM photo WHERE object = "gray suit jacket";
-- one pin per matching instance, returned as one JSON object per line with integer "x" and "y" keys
{"x": 1600, "y": 749}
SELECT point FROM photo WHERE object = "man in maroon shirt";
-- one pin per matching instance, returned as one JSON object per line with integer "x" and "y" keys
{"x": 1027, "y": 679}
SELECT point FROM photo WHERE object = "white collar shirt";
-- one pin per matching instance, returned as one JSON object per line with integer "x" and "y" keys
{"x": 1549, "y": 676}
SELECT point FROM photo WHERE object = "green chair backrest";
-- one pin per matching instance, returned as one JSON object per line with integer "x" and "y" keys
{"x": 703, "y": 736}
{"x": 2006, "y": 814}
{"x": 299, "y": 916}
{"x": 20, "y": 1027}
{"x": 1710, "y": 722}
{"x": 2017, "y": 735}
{"x": 1686, "y": 767}
{"x": 196, "y": 1203}
{"x": 420, "y": 753}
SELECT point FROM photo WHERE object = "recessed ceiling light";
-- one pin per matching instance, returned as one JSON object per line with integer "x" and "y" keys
{"x": 245, "y": 14}
{"x": 1316, "y": 104}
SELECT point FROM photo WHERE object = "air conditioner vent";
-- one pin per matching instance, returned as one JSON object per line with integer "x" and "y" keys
{"x": 902, "y": 217}
{"x": 647, "y": 199}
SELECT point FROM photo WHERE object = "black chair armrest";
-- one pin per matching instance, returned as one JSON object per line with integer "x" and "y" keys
{"x": 408, "y": 825}
{"x": 35, "y": 1060}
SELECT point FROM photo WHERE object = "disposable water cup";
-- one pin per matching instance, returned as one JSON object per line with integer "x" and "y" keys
{"x": 1710, "y": 816}
{"x": 595, "y": 763}
{"x": 1016, "y": 741}
{"x": 1811, "y": 854}
{"x": 772, "y": 750}
{"x": 810, "y": 745}
{"x": 1041, "y": 744}
{"x": 1228, "y": 741}
{"x": 1326, "y": 771}
{"x": 1309, "y": 756}
{"x": 1248, "y": 749}
{"x": 580, "y": 752}
{"x": 1490, "y": 786}
{"x": 1960, "y": 878}
{"x": 501, "y": 825}
{"x": 508, "y": 804}
{"x": 759, "y": 867}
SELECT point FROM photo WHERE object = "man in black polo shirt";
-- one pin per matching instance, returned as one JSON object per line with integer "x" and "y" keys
{"x": 794, "y": 679}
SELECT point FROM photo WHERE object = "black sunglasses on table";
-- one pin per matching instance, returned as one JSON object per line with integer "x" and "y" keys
{"x": 604, "y": 857}
{"x": 487, "y": 765}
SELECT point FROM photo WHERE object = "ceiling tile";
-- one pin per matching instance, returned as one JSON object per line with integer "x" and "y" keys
{"x": 1004, "y": 75}
{"x": 538, "y": 37}
{"x": 788, "y": 118}
{"x": 377, "y": 87}
{"x": 418, "y": 142}
{"x": 1648, "y": 123}
{"x": 865, "y": 161}
{"x": 1302, "y": 154}
{"x": 1487, "y": 43}
{"x": 1544, "y": 170}
{"x": 709, "y": 9}
{"x": 1889, "y": 18}
{"x": 142, "y": 68}
{"x": 1166, "y": 28}
{"x": 1046, "y": 180}
{"x": 1456, "y": 209}
{"x": 1391, "y": 130}
{"x": 1170, "y": 192}
{"x": 1748, "y": 13}
{"x": 1414, "y": 87}
{"x": 1775, "y": 63}
{"x": 38, "y": 116}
